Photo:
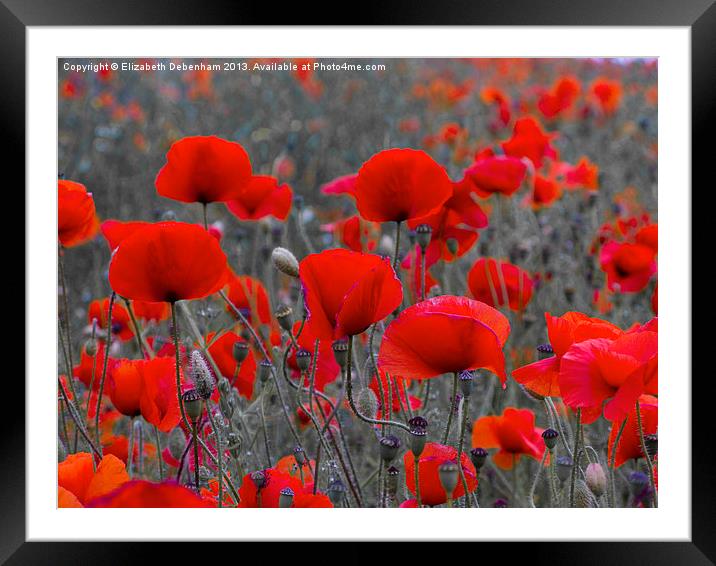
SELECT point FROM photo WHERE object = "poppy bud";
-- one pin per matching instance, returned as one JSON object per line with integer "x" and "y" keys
{"x": 367, "y": 402}
{"x": 201, "y": 375}
{"x": 564, "y": 467}
{"x": 340, "y": 351}
{"x": 234, "y": 441}
{"x": 478, "y": 457}
{"x": 240, "y": 351}
{"x": 389, "y": 446}
{"x": 596, "y": 479}
{"x": 466, "y": 383}
{"x": 583, "y": 497}
{"x": 284, "y": 318}
{"x": 545, "y": 351}
{"x": 285, "y": 498}
{"x": 259, "y": 478}
{"x": 423, "y": 233}
{"x": 227, "y": 406}
{"x": 91, "y": 347}
{"x": 285, "y": 261}
{"x": 452, "y": 245}
{"x": 418, "y": 435}
{"x": 336, "y": 491}
{"x": 303, "y": 359}
{"x": 224, "y": 387}
{"x": 300, "y": 455}
{"x": 193, "y": 404}
{"x": 264, "y": 370}
{"x": 448, "y": 474}
{"x": 391, "y": 484}
{"x": 652, "y": 444}
{"x": 550, "y": 438}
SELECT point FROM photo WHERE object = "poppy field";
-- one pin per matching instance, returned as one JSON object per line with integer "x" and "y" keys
{"x": 357, "y": 283}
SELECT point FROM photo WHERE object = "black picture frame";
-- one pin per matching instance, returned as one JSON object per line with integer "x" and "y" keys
{"x": 699, "y": 15}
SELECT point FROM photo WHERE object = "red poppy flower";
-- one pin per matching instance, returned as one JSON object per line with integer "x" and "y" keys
{"x": 262, "y": 197}
{"x": 355, "y": 233}
{"x": 204, "y": 169}
{"x": 394, "y": 392}
{"x": 607, "y": 93}
{"x": 345, "y": 185}
{"x": 649, "y": 236}
{"x": 616, "y": 371}
{"x": 401, "y": 184}
{"x": 346, "y": 292}
{"x": 497, "y": 175}
{"x": 76, "y": 474}
{"x": 629, "y": 446}
{"x": 83, "y": 370}
{"x": 311, "y": 500}
{"x": 542, "y": 377}
{"x": 156, "y": 312}
{"x": 513, "y": 432}
{"x": 435, "y": 455}
{"x": 168, "y": 261}
{"x": 121, "y": 327}
{"x": 77, "y": 220}
{"x": 584, "y": 174}
{"x": 222, "y": 352}
{"x": 444, "y": 334}
{"x": 485, "y": 288}
{"x": 141, "y": 493}
{"x": 288, "y": 465}
{"x": 560, "y": 97}
{"x": 546, "y": 192}
{"x": 629, "y": 267}
{"x": 125, "y": 385}
{"x": 528, "y": 140}
{"x": 327, "y": 369}
{"x": 655, "y": 300}
{"x": 114, "y": 231}
{"x": 158, "y": 399}
{"x": 249, "y": 296}
{"x": 270, "y": 492}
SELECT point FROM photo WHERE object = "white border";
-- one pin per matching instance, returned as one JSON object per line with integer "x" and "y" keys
{"x": 670, "y": 522}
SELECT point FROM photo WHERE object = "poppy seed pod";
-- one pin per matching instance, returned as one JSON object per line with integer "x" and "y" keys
{"x": 389, "y": 446}
{"x": 91, "y": 347}
{"x": 259, "y": 478}
{"x": 638, "y": 480}
{"x": 265, "y": 368}
{"x": 448, "y": 474}
{"x": 367, "y": 402}
{"x": 336, "y": 491}
{"x": 303, "y": 359}
{"x": 452, "y": 245}
{"x": 549, "y": 435}
{"x": 596, "y": 479}
{"x": 652, "y": 444}
{"x": 545, "y": 351}
{"x": 193, "y": 404}
{"x": 285, "y": 498}
{"x": 391, "y": 483}
{"x": 466, "y": 383}
{"x": 564, "y": 467}
{"x": 478, "y": 456}
{"x": 284, "y": 317}
{"x": 201, "y": 375}
{"x": 340, "y": 351}
{"x": 423, "y": 233}
{"x": 285, "y": 261}
{"x": 240, "y": 351}
{"x": 418, "y": 435}
{"x": 300, "y": 455}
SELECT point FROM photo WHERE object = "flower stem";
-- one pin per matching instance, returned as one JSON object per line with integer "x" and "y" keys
{"x": 104, "y": 368}
{"x": 417, "y": 482}
{"x": 461, "y": 441}
{"x": 575, "y": 462}
{"x": 613, "y": 490}
{"x": 397, "y": 245}
{"x": 177, "y": 365}
{"x": 196, "y": 455}
{"x": 649, "y": 463}
{"x": 531, "y": 496}
{"x": 453, "y": 396}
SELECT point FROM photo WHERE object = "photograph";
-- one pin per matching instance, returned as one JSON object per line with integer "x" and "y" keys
{"x": 360, "y": 282}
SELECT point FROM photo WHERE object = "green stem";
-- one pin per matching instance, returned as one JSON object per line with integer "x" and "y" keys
{"x": 177, "y": 365}
{"x": 158, "y": 441}
{"x": 417, "y": 482}
{"x": 104, "y": 368}
{"x": 196, "y": 455}
{"x": 533, "y": 487}
{"x": 575, "y": 462}
{"x": 453, "y": 397}
{"x": 397, "y": 245}
{"x": 649, "y": 463}
{"x": 613, "y": 490}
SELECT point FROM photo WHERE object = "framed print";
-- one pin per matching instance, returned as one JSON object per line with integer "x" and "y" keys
{"x": 411, "y": 275}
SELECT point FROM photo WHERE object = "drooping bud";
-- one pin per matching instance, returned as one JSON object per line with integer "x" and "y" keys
{"x": 336, "y": 491}
{"x": 193, "y": 404}
{"x": 448, "y": 474}
{"x": 478, "y": 456}
{"x": 234, "y": 442}
{"x": 285, "y": 261}
{"x": 202, "y": 377}
{"x": 285, "y": 498}
{"x": 452, "y": 245}
{"x": 466, "y": 383}
{"x": 583, "y": 497}
{"x": 596, "y": 479}
{"x": 423, "y": 233}
{"x": 340, "y": 351}
{"x": 303, "y": 359}
{"x": 240, "y": 351}
{"x": 389, "y": 446}
{"x": 550, "y": 437}
{"x": 300, "y": 455}
{"x": 224, "y": 387}
{"x": 367, "y": 402}
{"x": 259, "y": 478}
{"x": 284, "y": 317}
{"x": 418, "y": 435}
{"x": 564, "y": 467}
{"x": 265, "y": 368}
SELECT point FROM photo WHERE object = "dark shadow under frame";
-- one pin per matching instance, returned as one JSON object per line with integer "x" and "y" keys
{"x": 699, "y": 15}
